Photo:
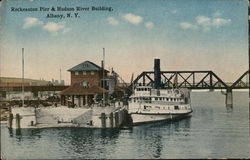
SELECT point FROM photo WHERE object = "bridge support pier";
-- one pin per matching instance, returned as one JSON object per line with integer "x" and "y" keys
{"x": 211, "y": 90}
{"x": 229, "y": 97}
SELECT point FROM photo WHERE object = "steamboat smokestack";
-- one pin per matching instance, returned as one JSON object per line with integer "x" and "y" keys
{"x": 157, "y": 74}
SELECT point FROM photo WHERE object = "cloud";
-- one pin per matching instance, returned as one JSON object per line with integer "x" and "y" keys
{"x": 203, "y": 20}
{"x": 217, "y": 22}
{"x": 55, "y": 28}
{"x": 31, "y": 22}
{"x": 112, "y": 21}
{"x": 206, "y": 23}
{"x": 66, "y": 30}
{"x": 217, "y": 14}
{"x": 174, "y": 11}
{"x": 134, "y": 19}
{"x": 51, "y": 27}
{"x": 149, "y": 25}
{"x": 187, "y": 25}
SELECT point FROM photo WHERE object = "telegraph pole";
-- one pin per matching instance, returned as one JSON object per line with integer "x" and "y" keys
{"x": 103, "y": 81}
{"x": 22, "y": 77}
{"x": 249, "y": 60}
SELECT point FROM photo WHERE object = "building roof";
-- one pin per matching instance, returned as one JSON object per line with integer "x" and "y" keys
{"x": 86, "y": 66}
{"x": 78, "y": 89}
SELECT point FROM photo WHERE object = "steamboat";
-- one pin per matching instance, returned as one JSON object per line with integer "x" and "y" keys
{"x": 154, "y": 103}
{"x": 148, "y": 104}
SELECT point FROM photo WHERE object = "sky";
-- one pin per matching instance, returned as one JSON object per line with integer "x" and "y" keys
{"x": 184, "y": 34}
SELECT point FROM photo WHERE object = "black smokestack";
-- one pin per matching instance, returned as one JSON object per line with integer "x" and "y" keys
{"x": 157, "y": 74}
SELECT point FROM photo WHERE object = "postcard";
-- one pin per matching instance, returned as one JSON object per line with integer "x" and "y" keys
{"x": 124, "y": 79}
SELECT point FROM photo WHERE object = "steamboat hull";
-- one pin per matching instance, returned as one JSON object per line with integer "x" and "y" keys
{"x": 142, "y": 118}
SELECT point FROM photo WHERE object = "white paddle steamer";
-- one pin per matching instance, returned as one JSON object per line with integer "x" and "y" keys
{"x": 147, "y": 104}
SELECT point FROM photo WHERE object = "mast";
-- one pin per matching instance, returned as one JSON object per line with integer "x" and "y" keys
{"x": 103, "y": 82}
{"x": 60, "y": 76}
{"x": 22, "y": 77}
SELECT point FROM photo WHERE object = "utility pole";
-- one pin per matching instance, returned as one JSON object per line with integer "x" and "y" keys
{"x": 60, "y": 76}
{"x": 103, "y": 81}
{"x": 22, "y": 77}
{"x": 249, "y": 59}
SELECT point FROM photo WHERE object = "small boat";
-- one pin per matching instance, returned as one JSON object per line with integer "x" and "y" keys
{"x": 148, "y": 104}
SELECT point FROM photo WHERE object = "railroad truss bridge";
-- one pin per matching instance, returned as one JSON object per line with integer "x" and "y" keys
{"x": 192, "y": 80}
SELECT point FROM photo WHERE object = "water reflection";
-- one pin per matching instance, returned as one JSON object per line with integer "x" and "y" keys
{"x": 229, "y": 109}
{"x": 86, "y": 142}
{"x": 24, "y": 133}
{"x": 153, "y": 136}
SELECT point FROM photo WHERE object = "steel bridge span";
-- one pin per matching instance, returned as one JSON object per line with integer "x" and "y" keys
{"x": 191, "y": 80}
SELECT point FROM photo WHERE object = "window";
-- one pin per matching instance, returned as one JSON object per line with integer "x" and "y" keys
{"x": 85, "y": 84}
{"x": 176, "y": 107}
{"x": 92, "y": 72}
{"x": 84, "y": 73}
{"x": 76, "y": 73}
{"x": 156, "y": 98}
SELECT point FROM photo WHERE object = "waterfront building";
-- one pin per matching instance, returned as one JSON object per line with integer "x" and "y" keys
{"x": 80, "y": 94}
{"x": 88, "y": 72}
{"x": 88, "y": 82}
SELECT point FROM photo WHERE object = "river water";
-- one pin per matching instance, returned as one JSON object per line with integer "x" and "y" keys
{"x": 213, "y": 131}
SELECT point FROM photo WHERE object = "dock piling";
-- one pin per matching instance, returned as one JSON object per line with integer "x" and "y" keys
{"x": 18, "y": 124}
{"x": 103, "y": 120}
{"x": 111, "y": 120}
{"x": 116, "y": 119}
{"x": 10, "y": 120}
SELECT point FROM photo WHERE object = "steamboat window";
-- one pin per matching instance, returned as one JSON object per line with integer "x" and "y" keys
{"x": 167, "y": 99}
{"x": 156, "y": 99}
{"x": 176, "y": 107}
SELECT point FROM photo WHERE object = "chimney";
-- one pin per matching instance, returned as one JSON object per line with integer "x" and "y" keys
{"x": 157, "y": 74}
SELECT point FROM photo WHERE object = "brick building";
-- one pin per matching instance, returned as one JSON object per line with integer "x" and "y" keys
{"x": 89, "y": 72}
{"x": 86, "y": 82}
